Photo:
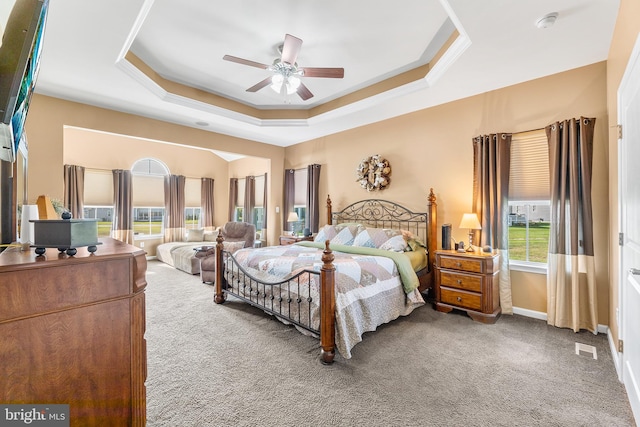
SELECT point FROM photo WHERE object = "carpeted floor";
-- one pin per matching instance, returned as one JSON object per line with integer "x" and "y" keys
{"x": 232, "y": 365}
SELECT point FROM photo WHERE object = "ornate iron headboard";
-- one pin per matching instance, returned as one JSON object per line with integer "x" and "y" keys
{"x": 379, "y": 213}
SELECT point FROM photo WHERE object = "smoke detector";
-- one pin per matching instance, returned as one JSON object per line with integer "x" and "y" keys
{"x": 547, "y": 20}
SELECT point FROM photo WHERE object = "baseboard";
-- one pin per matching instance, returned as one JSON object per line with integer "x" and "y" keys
{"x": 602, "y": 329}
{"x": 615, "y": 355}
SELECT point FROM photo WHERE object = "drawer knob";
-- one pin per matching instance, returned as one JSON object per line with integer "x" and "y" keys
{"x": 458, "y": 264}
{"x": 459, "y": 299}
{"x": 459, "y": 281}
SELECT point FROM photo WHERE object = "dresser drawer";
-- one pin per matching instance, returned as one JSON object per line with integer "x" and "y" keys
{"x": 458, "y": 263}
{"x": 461, "y": 299}
{"x": 461, "y": 281}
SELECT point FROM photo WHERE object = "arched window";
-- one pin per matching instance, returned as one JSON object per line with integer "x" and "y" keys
{"x": 148, "y": 197}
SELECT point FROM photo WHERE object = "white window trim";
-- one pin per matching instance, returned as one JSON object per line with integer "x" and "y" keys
{"x": 528, "y": 266}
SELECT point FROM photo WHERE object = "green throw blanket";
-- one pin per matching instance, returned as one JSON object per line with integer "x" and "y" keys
{"x": 408, "y": 277}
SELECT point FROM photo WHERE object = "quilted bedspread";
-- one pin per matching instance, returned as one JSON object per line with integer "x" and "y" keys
{"x": 369, "y": 290}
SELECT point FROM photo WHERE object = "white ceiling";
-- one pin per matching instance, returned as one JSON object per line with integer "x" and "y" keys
{"x": 498, "y": 45}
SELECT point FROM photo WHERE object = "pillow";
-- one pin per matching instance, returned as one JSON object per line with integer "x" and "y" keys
{"x": 232, "y": 247}
{"x": 195, "y": 235}
{"x": 210, "y": 236}
{"x": 381, "y": 238}
{"x": 340, "y": 234}
{"x": 415, "y": 244}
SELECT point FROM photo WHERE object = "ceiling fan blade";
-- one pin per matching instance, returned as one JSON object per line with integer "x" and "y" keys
{"x": 290, "y": 49}
{"x": 331, "y": 73}
{"x": 256, "y": 87}
{"x": 304, "y": 92}
{"x": 245, "y": 62}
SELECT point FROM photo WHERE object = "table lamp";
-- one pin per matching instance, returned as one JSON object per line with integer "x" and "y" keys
{"x": 293, "y": 218}
{"x": 470, "y": 221}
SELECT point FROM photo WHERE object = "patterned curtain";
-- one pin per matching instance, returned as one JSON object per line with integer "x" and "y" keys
{"x": 206, "y": 200}
{"x": 249, "y": 200}
{"x": 571, "y": 279}
{"x": 313, "y": 199}
{"x": 289, "y": 195}
{"x": 233, "y": 196}
{"x": 74, "y": 190}
{"x": 174, "y": 226}
{"x": 491, "y": 163}
{"x": 121, "y": 227}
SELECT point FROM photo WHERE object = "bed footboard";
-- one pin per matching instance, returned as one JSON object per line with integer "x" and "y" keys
{"x": 291, "y": 300}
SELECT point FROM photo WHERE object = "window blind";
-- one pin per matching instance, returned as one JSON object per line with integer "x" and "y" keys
{"x": 241, "y": 186}
{"x": 98, "y": 187}
{"x": 529, "y": 169}
{"x": 192, "y": 192}
{"x": 259, "y": 190}
{"x": 300, "y": 178}
{"x": 148, "y": 191}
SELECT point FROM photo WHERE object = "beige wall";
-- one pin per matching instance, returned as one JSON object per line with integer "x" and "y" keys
{"x": 100, "y": 150}
{"x": 432, "y": 148}
{"x": 624, "y": 38}
{"x": 49, "y": 117}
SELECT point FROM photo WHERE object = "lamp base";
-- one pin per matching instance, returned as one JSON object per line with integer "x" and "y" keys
{"x": 470, "y": 247}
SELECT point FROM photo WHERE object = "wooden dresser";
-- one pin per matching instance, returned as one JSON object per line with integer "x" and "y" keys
{"x": 72, "y": 332}
{"x": 468, "y": 281}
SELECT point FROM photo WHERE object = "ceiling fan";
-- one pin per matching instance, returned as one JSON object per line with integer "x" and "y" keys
{"x": 286, "y": 72}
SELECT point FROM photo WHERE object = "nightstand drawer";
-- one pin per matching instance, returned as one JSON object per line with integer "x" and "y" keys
{"x": 461, "y": 281}
{"x": 461, "y": 299}
{"x": 458, "y": 263}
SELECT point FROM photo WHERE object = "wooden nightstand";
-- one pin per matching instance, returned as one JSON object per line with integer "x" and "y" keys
{"x": 289, "y": 240}
{"x": 468, "y": 281}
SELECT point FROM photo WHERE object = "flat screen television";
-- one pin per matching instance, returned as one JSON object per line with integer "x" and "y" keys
{"x": 22, "y": 24}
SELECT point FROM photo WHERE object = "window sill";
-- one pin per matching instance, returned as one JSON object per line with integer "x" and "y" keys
{"x": 528, "y": 267}
{"x": 147, "y": 236}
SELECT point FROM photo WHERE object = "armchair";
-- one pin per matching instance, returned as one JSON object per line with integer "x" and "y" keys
{"x": 232, "y": 232}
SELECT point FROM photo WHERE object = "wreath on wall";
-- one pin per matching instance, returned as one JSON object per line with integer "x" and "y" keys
{"x": 373, "y": 173}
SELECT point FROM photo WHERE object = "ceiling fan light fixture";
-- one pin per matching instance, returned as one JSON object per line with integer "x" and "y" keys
{"x": 290, "y": 83}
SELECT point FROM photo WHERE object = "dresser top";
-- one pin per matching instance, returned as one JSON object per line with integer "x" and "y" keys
{"x": 108, "y": 248}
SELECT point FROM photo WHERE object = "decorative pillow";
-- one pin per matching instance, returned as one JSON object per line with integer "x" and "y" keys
{"x": 381, "y": 238}
{"x": 396, "y": 244}
{"x": 195, "y": 235}
{"x": 210, "y": 236}
{"x": 415, "y": 244}
{"x": 232, "y": 246}
{"x": 339, "y": 234}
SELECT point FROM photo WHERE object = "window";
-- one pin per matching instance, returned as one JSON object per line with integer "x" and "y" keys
{"x": 529, "y": 231}
{"x": 529, "y": 199}
{"x": 148, "y": 197}
{"x": 192, "y": 202}
{"x": 237, "y": 215}
{"x": 98, "y": 199}
{"x": 148, "y": 221}
{"x": 104, "y": 215}
{"x": 301, "y": 179}
{"x": 192, "y": 218}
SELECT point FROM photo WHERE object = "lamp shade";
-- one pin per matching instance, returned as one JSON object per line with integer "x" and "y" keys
{"x": 470, "y": 221}
{"x": 293, "y": 217}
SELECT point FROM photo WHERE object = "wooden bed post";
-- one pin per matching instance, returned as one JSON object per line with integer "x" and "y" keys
{"x": 219, "y": 296}
{"x": 327, "y": 307}
{"x": 432, "y": 232}
{"x": 329, "y": 216}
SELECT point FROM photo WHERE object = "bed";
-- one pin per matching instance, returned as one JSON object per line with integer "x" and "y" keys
{"x": 182, "y": 255}
{"x": 371, "y": 263}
